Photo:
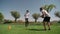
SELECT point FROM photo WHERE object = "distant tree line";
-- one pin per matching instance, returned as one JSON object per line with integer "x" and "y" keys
{"x": 17, "y": 15}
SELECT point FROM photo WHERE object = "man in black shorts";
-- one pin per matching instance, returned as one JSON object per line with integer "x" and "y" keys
{"x": 46, "y": 17}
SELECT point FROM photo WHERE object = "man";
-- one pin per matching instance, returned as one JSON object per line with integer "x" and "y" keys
{"x": 26, "y": 18}
{"x": 46, "y": 17}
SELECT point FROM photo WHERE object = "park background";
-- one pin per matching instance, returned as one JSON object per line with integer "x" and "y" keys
{"x": 9, "y": 26}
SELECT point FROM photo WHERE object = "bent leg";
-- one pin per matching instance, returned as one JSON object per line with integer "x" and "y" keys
{"x": 44, "y": 24}
{"x": 48, "y": 25}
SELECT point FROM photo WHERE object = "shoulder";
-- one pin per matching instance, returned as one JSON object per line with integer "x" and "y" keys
{"x": 28, "y": 13}
{"x": 44, "y": 10}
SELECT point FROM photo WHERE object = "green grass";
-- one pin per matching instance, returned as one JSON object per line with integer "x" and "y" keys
{"x": 32, "y": 29}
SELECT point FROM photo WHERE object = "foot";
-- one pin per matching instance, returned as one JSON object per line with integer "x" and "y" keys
{"x": 45, "y": 29}
{"x": 49, "y": 29}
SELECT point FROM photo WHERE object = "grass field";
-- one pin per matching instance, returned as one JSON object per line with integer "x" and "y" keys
{"x": 32, "y": 29}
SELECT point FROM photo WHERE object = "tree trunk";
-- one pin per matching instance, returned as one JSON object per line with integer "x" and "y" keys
{"x": 35, "y": 20}
{"x": 15, "y": 20}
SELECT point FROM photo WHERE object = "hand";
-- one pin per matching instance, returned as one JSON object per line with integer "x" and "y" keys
{"x": 42, "y": 16}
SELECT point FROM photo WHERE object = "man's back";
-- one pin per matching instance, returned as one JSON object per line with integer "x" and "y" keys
{"x": 46, "y": 14}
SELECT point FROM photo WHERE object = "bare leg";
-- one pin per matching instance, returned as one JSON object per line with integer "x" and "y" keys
{"x": 44, "y": 24}
{"x": 48, "y": 25}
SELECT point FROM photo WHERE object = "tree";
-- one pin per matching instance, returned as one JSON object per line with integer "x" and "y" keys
{"x": 57, "y": 14}
{"x": 15, "y": 14}
{"x": 36, "y": 16}
{"x": 49, "y": 7}
{"x": 1, "y": 17}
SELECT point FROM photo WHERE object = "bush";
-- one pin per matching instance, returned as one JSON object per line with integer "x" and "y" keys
{"x": 59, "y": 21}
{"x": 7, "y": 21}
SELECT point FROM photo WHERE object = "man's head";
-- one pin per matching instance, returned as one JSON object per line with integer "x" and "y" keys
{"x": 27, "y": 11}
{"x": 41, "y": 9}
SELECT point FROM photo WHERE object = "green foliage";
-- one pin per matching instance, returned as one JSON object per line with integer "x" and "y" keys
{"x": 57, "y": 14}
{"x": 49, "y": 7}
{"x": 15, "y": 14}
{"x": 45, "y": 7}
{"x": 59, "y": 21}
{"x": 1, "y": 17}
{"x": 35, "y": 16}
{"x": 7, "y": 21}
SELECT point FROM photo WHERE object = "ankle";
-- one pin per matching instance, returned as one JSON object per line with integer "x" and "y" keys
{"x": 49, "y": 29}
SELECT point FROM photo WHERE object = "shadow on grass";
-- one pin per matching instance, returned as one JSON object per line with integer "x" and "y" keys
{"x": 36, "y": 29}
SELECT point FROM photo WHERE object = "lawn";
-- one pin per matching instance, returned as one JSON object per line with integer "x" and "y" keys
{"x": 32, "y": 29}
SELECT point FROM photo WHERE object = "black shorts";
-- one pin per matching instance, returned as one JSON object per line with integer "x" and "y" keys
{"x": 26, "y": 20}
{"x": 46, "y": 19}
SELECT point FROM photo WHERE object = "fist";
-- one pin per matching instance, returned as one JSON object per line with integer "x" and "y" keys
{"x": 42, "y": 16}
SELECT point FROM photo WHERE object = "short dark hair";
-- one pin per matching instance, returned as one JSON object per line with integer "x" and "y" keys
{"x": 27, "y": 10}
{"x": 41, "y": 9}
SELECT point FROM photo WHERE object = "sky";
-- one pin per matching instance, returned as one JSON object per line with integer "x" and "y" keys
{"x": 6, "y": 6}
